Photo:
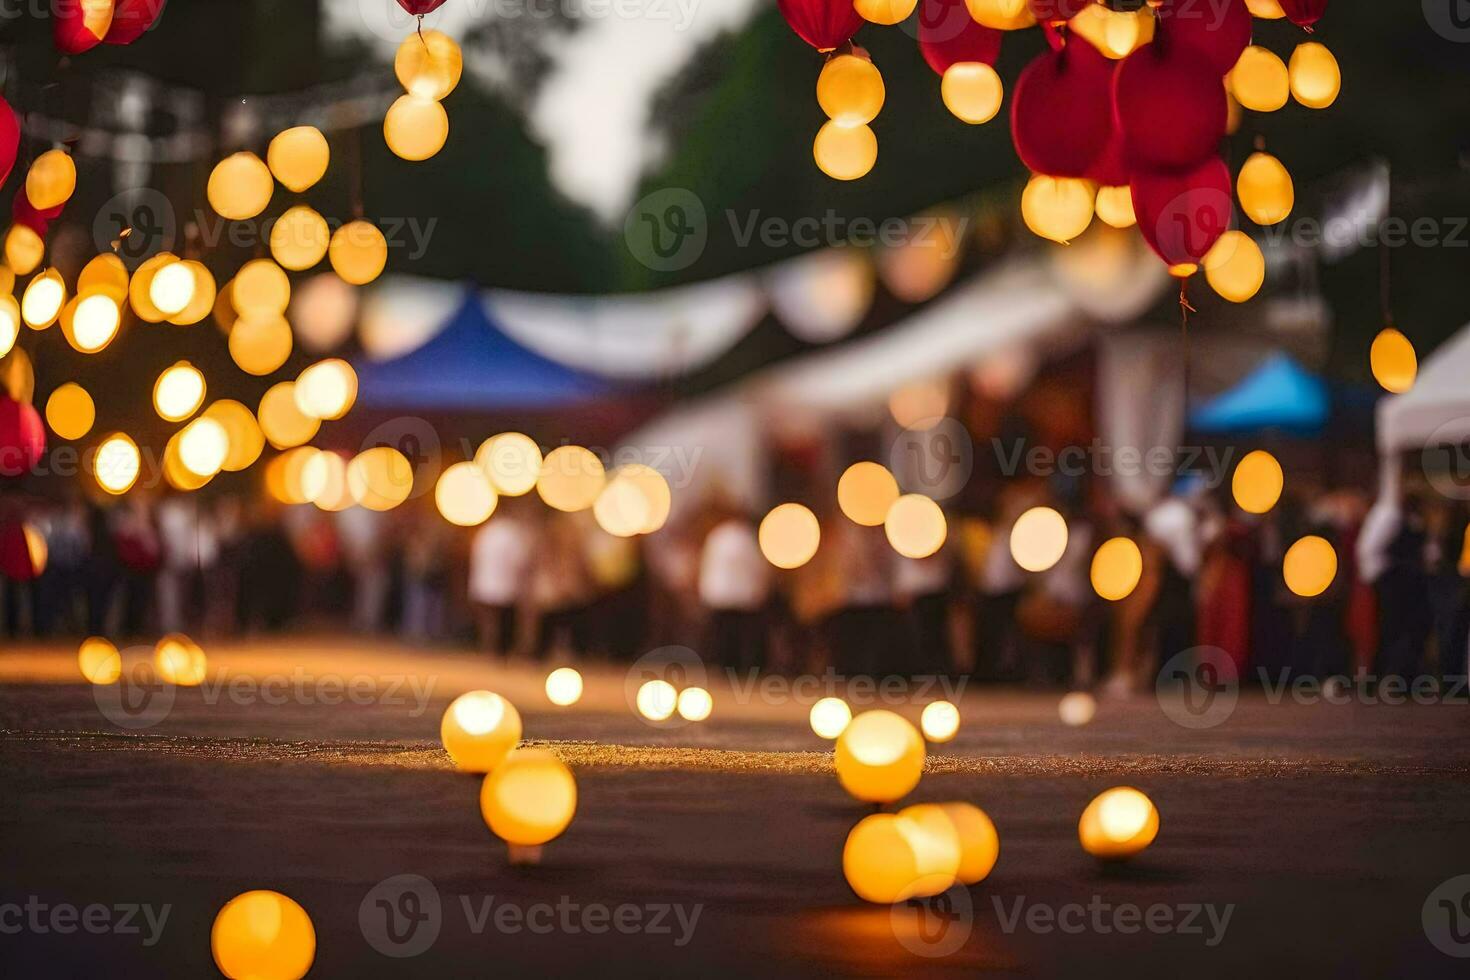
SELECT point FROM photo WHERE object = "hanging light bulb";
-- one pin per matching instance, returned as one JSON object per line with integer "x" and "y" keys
{"x": 1259, "y": 80}
{"x": 886, "y": 12}
{"x": 1315, "y": 76}
{"x": 1115, "y": 206}
{"x": 358, "y": 252}
{"x": 415, "y": 127}
{"x": 1394, "y": 363}
{"x": 24, "y": 249}
{"x": 1058, "y": 208}
{"x": 299, "y": 238}
{"x": 845, "y": 152}
{"x": 240, "y": 187}
{"x": 428, "y": 64}
{"x": 1235, "y": 267}
{"x": 1265, "y": 189}
{"x": 172, "y": 288}
{"x": 298, "y": 157}
{"x": 89, "y": 323}
{"x": 850, "y": 90}
{"x": 178, "y": 392}
{"x": 972, "y": 91}
{"x": 51, "y": 180}
{"x": 42, "y": 301}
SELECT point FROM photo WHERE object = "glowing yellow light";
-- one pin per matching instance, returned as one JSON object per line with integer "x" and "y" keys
{"x": 240, "y": 187}
{"x": 879, "y": 757}
{"x": 203, "y": 297}
{"x": 263, "y": 935}
{"x": 1002, "y": 15}
{"x": 1259, "y": 80}
{"x": 380, "y": 478}
{"x": 298, "y": 157}
{"x": 415, "y": 127}
{"x": 9, "y": 323}
{"x": 1116, "y": 33}
{"x": 1076, "y": 708}
{"x": 428, "y": 64}
{"x": 283, "y": 475}
{"x": 299, "y": 238}
{"x": 934, "y": 840}
{"x": 1309, "y": 567}
{"x": 829, "y": 717}
{"x": 260, "y": 343}
{"x": 358, "y": 252}
{"x": 281, "y": 421}
{"x": 117, "y": 463}
{"x": 225, "y": 314}
{"x": 1116, "y": 568}
{"x": 179, "y": 660}
{"x": 1315, "y": 77}
{"x": 1257, "y": 482}
{"x": 324, "y": 481}
{"x": 141, "y": 286}
{"x": 1038, "y": 539}
{"x": 695, "y": 704}
{"x": 51, "y": 180}
{"x": 1058, "y": 208}
{"x": 571, "y": 477}
{"x": 915, "y": 526}
{"x": 24, "y": 249}
{"x": 1235, "y": 267}
{"x": 621, "y": 509}
{"x": 70, "y": 412}
{"x": 657, "y": 700}
{"x": 464, "y": 495}
{"x": 1115, "y": 206}
{"x": 512, "y": 461}
{"x": 1394, "y": 363}
{"x": 178, "y": 392}
{"x": 940, "y": 721}
{"x": 1265, "y": 9}
{"x": 99, "y": 661}
{"x": 789, "y": 535}
{"x": 564, "y": 686}
{"x": 1265, "y": 189}
{"x": 850, "y": 90}
{"x": 878, "y": 860}
{"x": 979, "y": 843}
{"x": 884, "y": 11}
{"x": 326, "y": 389}
{"x": 42, "y": 301}
{"x": 89, "y": 323}
{"x": 530, "y": 799}
{"x": 177, "y": 475}
{"x": 203, "y": 446}
{"x": 845, "y": 152}
{"x": 245, "y": 438}
{"x": 479, "y": 729}
{"x": 865, "y": 493}
{"x": 172, "y": 288}
{"x": 105, "y": 273}
{"x": 1118, "y": 824}
{"x": 921, "y": 405}
{"x": 261, "y": 288}
{"x": 972, "y": 91}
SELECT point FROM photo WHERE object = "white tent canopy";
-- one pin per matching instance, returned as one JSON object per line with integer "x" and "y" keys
{"x": 1437, "y": 409}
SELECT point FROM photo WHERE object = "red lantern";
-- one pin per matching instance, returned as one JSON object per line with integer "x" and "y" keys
{"x": 1051, "y": 11}
{"x": 80, "y": 25}
{"x": 949, "y": 35}
{"x": 1304, "y": 13}
{"x": 22, "y": 437}
{"x": 1110, "y": 169}
{"x": 23, "y": 212}
{"x": 1171, "y": 108}
{"x": 1182, "y": 215}
{"x": 16, "y": 561}
{"x": 420, "y": 7}
{"x": 1216, "y": 32}
{"x": 824, "y": 24}
{"x": 131, "y": 19}
{"x": 1061, "y": 116}
{"x": 9, "y": 141}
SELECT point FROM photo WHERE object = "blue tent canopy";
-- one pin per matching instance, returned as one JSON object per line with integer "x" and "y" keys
{"x": 472, "y": 365}
{"x": 1280, "y": 394}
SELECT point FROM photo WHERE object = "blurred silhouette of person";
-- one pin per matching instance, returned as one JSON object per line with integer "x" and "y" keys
{"x": 866, "y": 628}
{"x": 270, "y": 573}
{"x": 500, "y": 564}
{"x": 104, "y": 570}
{"x": 1224, "y": 593}
{"x": 366, "y": 555}
{"x": 922, "y": 586}
{"x": 1403, "y": 599}
{"x": 560, "y": 589}
{"x": 188, "y": 549}
{"x": 1447, "y": 566}
{"x": 734, "y": 587}
{"x": 425, "y": 578}
{"x": 139, "y": 552}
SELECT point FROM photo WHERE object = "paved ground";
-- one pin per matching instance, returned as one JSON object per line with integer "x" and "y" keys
{"x": 1319, "y": 830}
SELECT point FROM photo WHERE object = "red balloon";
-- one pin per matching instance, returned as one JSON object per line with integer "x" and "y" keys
{"x": 1048, "y": 11}
{"x": 1182, "y": 215}
{"x": 15, "y": 554}
{"x": 824, "y": 24}
{"x": 420, "y": 7}
{"x": 1304, "y": 13}
{"x": 949, "y": 35}
{"x": 1061, "y": 117}
{"x": 23, "y": 212}
{"x": 1170, "y": 106}
{"x": 69, "y": 27}
{"x": 131, "y": 19}
{"x": 1217, "y": 32}
{"x": 9, "y": 141}
{"x": 1110, "y": 169}
{"x": 22, "y": 437}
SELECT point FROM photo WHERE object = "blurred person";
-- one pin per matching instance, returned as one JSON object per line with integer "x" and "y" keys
{"x": 270, "y": 570}
{"x": 63, "y": 584}
{"x": 1223, "y": 601}
{"x": 425, "y": 577}
{"x": 103, "y": 572}
{"x": 561, "y": 589}
{"x": 866, "y": 629}
{"x": 500, "y": 563}
{"x": 1403, "y": 594}
{"x": 1173, "y": 523}
{"x": 1055, "y": 610}
{"x": 923, "y": 588}
{"x": 815, "y": 599}
{"x": 367, "y": 556}
{"x": 222, "y": 585}
{"x": 734, "y": 587}
{"x": 188, "y": 548}
{"x": 1448, "y": 537}
{"x": 1001, "y": 585}
{"x": 139, "y": 553}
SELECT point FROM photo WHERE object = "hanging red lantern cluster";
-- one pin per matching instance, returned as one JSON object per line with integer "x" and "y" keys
{"x": 80, "y": 25}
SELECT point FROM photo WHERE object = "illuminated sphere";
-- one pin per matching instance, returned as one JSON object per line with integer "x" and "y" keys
{"x": 24, "y": 249}
{"x": 260, "y": 343}
{"x": 915, "y": 526}
{"x": 323, "y": 309}
{"x": 1265, "y": 9}
{"x": 178, "y": 392}
{"x": 654, "y": 491}
{"x": 204, "y": 446}
{"x": 850, "y": 90}
{"x": 240, "y": 187}
{"x": 1076, "y": 708}
{"x": 1315, "y": 76}
{"x": 51, "y": 180}
{"x": 920, "y": 405}
{"x": 1257, "y": 482}
{"x": 1309, "y": 567}
{"x": 935, "y": 841}
{"x": 358, "y": 252}
{"x": 263, "y": 935}
{"x": 299, "y": 238}
{"x": 281, "y": 421}
{"x": 789, "y": 535}
{"x": 622, "y": 509}
{"x": 464, "y": 495}
{"x": 829, "y": 717}
{"x": 1235, "y": 267}
{"x": 1038, "y": 539}
{"x": 90, "y": 323}
{"x": 1265, "y": 189}
{"x": 70, "y": 411}
{"x": 979, "y": 843}
{"x": 879, "y": 757}
{"x": 530, "y": 799}
{"x": 879, "y": 861}
{"x": 1116, "y": 33}
{"x": 380, "y": 478}
{"x": 657, "y": 700}
{"x": 1058, "y": 208}
{"x": 972, "y": 91}
{"x": 428, "y": 65}
{"x": 41, "y": 303}
{"x": 415, "y": 127}
{"x": 324, "y": 482}
{"x": 298, "y": 157}
{"x": 179, "y": 660}
{"x": 225, "y": 313}
{"x": 99, "y": 661}
{"x": 940, "y": 721}
{"x": 175, "y": 473}
{"x": 1259, "y": 80}
{"x": 885, "y": 11}
{"x": 204, "y": 295}
{"x": 571, "y": 477}
{"x": 1117, "y": 565}
{"x": 866, "y": 492}
{"x": 171, "y": 289}
{"x": 1002, "y": 15}
{"x": 512, "y": 461}
{"x": 1115, "y": 206}
{"x": 479, "y": 729}
{"x": 246, "y": 439}
{"x": 564, "y": 686}
{"x": 326, "y": 389}
{"x": 116, "y": 463}
{"x": 9, "y": 323}
{"x": 283, "y": 475}
{"x": 695, "y": 704}
{"x": 845, "y": 152}
{"x": 1394, "y": 363}
{"x": 141, "y": 285}
{"x": 260, "y": 287}
{"x": 1118, "y": 824}
{"x": 105, "y": 273}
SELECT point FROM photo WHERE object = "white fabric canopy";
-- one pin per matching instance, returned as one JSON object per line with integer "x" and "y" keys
{"x": 1437, "y": 409}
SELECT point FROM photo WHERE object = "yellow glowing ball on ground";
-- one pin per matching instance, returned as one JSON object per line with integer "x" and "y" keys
{"x": 1057, "y": 208}
{"x": 1315, "y": 77}
{"x": 880, "y": 757}
{"x": 9, "y": 323}
{"x": 246, "y": 440}
{"x": 41, "y": 303}
{"x": 979, "y": 842}
{"x": 866, "y": 492}
{"x": 299, "y": 238}
{"x": 1077, "y": 708}
{"x": 261, "y": 287}
{"x": 479, "y": 729}
{"x": 935, "y": 841}
{"x": 695, "y": 704}
{"x": 99, "y": 661}
{"x": 204, "y": 295}
{"x": 105, "y": 273}
{"x": 281, "y": 421}
{"x": 298, "y": 157}
{"x": 512, "y": 461}
{"x": 1394, "y": 363}
{"x": 1265, "y": 9}
{"x": 428, "y": 64}
{"x": 90, "y": 323}
{"x": 878, "y": 860}
{"x": 915, "y": 526}
{"x": 358, "y": 252}
{"x": 260, "y": 343}
{"x": 972, "y": 91}
{"x": 172, "y": 288}
{"x": 564, "y": 686}
{"x": 1257, "y": 482}
{"x": 240, "y": 187}
{"x": 1117, "y": 566}
{"x": 24, "y": 249}
{"x": 789, "y": 535}
{"x": 1118, "y": 823}
{"x": 850, "y": 90}
{"x": 1235, "y": 267}
{"x": 1265, "y": 189}
{"x": 1259, "y": 80}
{"x": 415, "y": 127}
{"x": 1115, "y": 206}
{"x": 179, "y": 660}
{"x": 116, "y": 463}
{"x": 845, "y": 152}
{"x": 327, "y": 389}
{"x": 884, "y": 11}
{"x": 1002, "y": 15}
{"x": 51, "y": 180}
{"x": 203, "y": 446}
{"x": 940, "y": 721}
{"x": 464, "y": 495}
{"x": 1038, "y": 539}
{"x": 263, "y": 935}
{"x": 70, "y": 411}
{"x": 141, "y": 285}
{"x": 1310, "y": 566}
{"x": 657, "y": 699}
{"x": 530, "y": 799}
{"x": 380, "y": 478}
{"x": 571, "y": 477}
{"x": 178, "y": 392}
{"x": 829, "y": 717}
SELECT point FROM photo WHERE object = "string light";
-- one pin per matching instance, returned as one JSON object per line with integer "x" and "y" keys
{"x": 845, "y": 152}
{"x": 178, "y": 392}
{"x": 789, "y": 535}
{"x": 298, "y": 157}
{"x": 1315, "y": 76}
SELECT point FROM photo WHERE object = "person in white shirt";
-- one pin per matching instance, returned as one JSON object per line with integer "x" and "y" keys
{"x": 500, "y": 566}
{"x": 734, "y": 585}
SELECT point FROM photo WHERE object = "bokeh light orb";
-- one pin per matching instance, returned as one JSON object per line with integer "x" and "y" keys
{"x": 512, "y": 460}
{"x": 1076, "y": 708}
{"x": 845, "y": 152}
{"x": 789, "y": 535}
{"x": 104, "y": 273}
{"x": 1058, "y": 208}
{"x": 24, "y": 249}
{"x": 1257, "y": 482}
{"x": 829, "y": 717}
{"x": 380, "y": 478}
{"x": 1038, "y": 539}
{"x": 1235, "y": 267}
{"x": 865, "y": 493}
{"x": 263, "y": 935}
{"x": 260, "y": 343}
{"x": 1393, "y": 361}
{"x": 850, "y": 90}
{"x": 298, "y": 157}
{"x": 240, "y": 187}
{"x": 1118, "y": 824}
{"x": 284, "y": 475}
{"x": 935, "y": 841}
{"x": 464, "y": 495}
{"x": 90, "y": 323}
{"x": 887, "y": 12}
{"x": 915, "y": 526}
{"x": 51, "y": 180}
{"x": 70, "y": 411}
{"x": 415, "y": 127}
{"x": 178, "y": 392}
{"x": 1259, "y": 80}
{"x": 42, "y": 300}
{"x": 204, "y": 445}
{"x": 327, "y": 389}
{"x": 921, "y": 405}
{"x": 171, "y": 289}
{"x": 322, "y": 312}
{"x": 529, "y": 799}
{"x": 246, "y": 440}
{"x": 570, "y": 479}
{"x": 979, "y": 842}
{"x": 622, "y": 509}
{"x": 1314, "y": 74}
{"x": 940, "y": 721}
{"x": 99, "y": 661}
{"x": 204, "y": 295}
{"x": 358, "y": 252}
{"x": 879, "y": 757}
{"x": 1310, "y": 566}
{"x": 299, "y": 238}
{"x": 972, "y": 91}
{"x": 657, "y": 699}
{"x": 260, "y": 288}
{"x": 1002, "y": 15}
{"x": 1117, "y": 566}
{"x": 428, "y": 64}
{"x": 695, "y": 704}
{"x": 179, "y": 660}
{"x": 9, "y": 323}
{"x": 1265, "y": 189}
{"x": 281, "y": 422}
{"x": 1114, "y": 206}
{"x": 324, "y": 482}
{"x": 116, "y": 463}
{"x": 479, "y": 729}
{"x": 878, "y": 860}
{"x": 141, "y": 286}
{"x": 564, "y": 686}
